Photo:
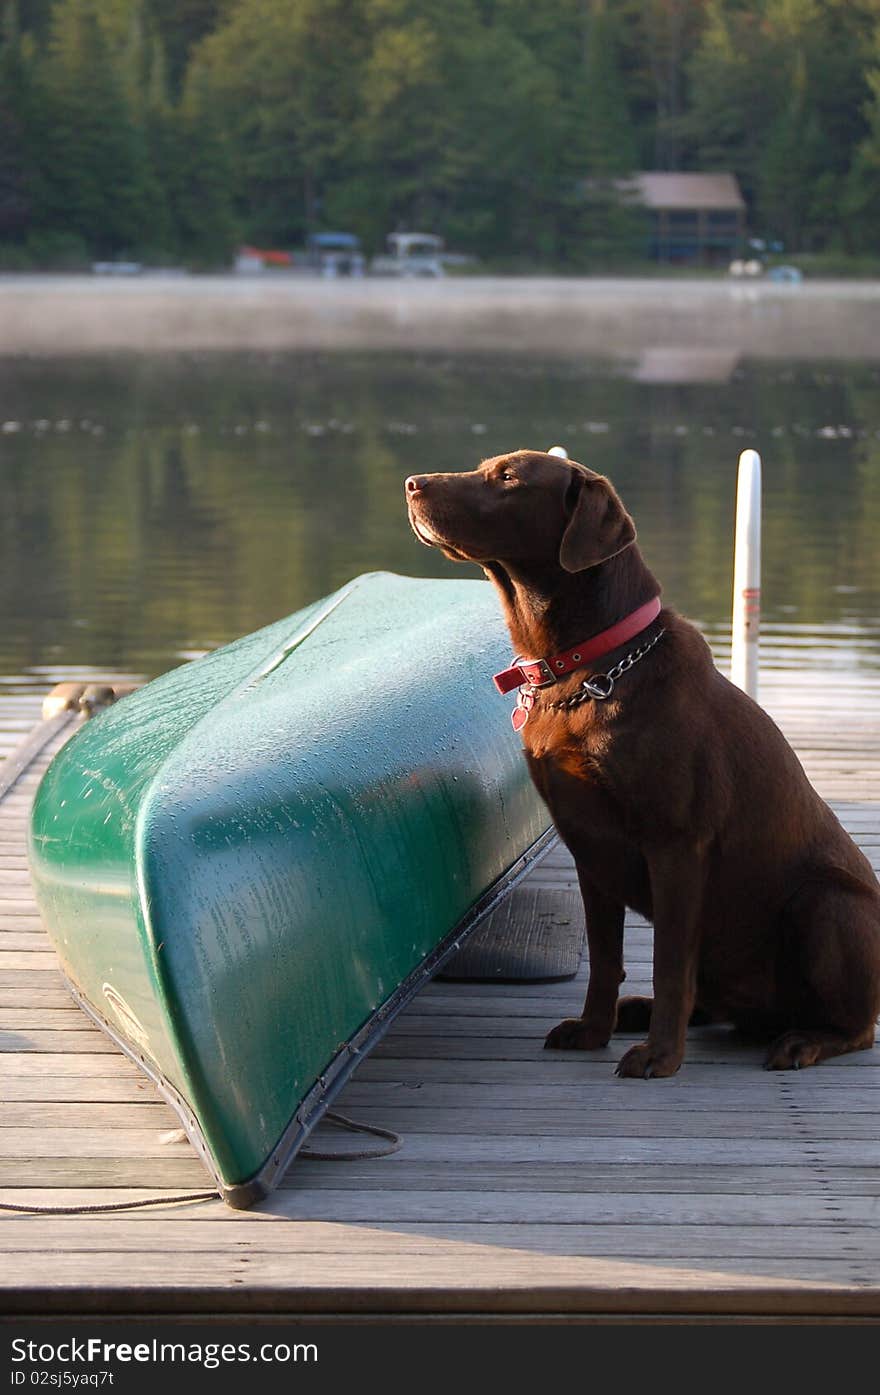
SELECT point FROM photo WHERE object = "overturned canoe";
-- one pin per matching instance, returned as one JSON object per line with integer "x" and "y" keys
{"x": 248, "y": 866}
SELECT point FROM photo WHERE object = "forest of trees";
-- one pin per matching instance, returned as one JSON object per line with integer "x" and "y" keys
{"x": 172, "y": 130}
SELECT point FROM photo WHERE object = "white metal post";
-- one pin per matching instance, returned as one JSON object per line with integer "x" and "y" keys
{"x": 747, "y": 575}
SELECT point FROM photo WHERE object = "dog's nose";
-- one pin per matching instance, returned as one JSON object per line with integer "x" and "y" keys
{"x": 414, "y": 484}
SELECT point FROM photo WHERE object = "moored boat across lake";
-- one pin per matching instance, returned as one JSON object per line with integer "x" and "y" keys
{"x": 248, "y": 866}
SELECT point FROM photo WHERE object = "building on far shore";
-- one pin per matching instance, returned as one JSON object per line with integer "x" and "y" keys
{"x": 693, "y": 218}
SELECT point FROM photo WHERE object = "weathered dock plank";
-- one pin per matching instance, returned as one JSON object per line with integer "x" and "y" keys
{"x": 467, "y": 1240}
{"x": 501, "y": 1280}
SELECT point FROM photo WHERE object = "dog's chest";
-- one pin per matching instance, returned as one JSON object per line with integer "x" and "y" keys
{"x": 584, "y": 749}
{"x": 594, "y": 827}
{"x": 574, "y": 775}
{"x": 583, "y": 774}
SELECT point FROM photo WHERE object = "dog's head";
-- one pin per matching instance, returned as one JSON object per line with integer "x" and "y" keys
{"x": 524, "y": 508}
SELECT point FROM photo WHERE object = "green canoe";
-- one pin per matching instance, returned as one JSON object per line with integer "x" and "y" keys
{"x": 248, "y": 866}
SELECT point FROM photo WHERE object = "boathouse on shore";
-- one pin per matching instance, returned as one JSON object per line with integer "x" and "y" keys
{"x": 693, "y": 218}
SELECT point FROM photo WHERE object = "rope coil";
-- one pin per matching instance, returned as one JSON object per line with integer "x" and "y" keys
{"x": 341, "y": 1121}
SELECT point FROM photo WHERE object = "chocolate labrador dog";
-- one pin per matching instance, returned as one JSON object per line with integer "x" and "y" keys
{"x": 674, "y": 791}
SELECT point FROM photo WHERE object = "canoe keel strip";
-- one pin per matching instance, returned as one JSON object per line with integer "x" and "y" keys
{"x": 250, "y": 865}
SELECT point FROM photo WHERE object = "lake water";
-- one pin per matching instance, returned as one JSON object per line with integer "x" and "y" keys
{"x": 156, "y": 505}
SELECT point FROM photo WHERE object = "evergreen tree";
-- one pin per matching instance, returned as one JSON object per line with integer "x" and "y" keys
{"x": 201, "y": 182}
{"x": 159, "y": 138}
{"x": 792, "y": 152}
{"x": 861, "y": 193}
{"x": 608, "y": 138}
{"x": 33, "y": 17}
{"x": 95, "y": 180}
{"x": 611, "y": 226}
{"x": 735, "y": 92}
{"x": 16, "y": 195}
{"x": 660, "y": 38}
{"x": 141, "y": 68}
{"x": 180, "y": 26}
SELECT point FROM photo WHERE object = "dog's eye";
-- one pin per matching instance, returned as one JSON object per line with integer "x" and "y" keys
{"x": 508, "y": 476}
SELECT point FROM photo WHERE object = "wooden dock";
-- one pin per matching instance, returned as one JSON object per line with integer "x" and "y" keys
{"x": 529, "y": 1185}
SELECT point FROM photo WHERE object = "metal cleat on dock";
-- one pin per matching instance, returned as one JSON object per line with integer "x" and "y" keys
{"x": 64, "y": 697}
{"x": 86, "y": 698}
{"x": 96, "y": 696}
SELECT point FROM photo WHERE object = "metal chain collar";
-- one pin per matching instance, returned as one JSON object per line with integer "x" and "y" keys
{"x": 601, "y": 685}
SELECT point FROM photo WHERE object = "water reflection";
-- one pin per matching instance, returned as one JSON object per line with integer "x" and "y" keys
{"x": 156, "y": 507}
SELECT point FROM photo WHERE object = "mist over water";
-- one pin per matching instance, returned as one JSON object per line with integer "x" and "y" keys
{"x": 554, "y": 318}
{"x": 157, "y": 504}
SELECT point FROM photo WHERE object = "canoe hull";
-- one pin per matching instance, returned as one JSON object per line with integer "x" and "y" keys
{"x": 250, "y": 865}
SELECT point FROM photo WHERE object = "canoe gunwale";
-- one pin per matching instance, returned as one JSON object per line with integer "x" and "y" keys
{"x": 313, "y": 1106}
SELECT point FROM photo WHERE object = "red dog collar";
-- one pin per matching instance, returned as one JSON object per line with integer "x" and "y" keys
{"x": 540, "y": 673}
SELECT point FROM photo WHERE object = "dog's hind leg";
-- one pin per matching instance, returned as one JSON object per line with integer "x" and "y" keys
{"x": 604, "y": 918}
{"x": 633, "y": 1015}
{"x": 829, "y": 976}
{"x": 807, "y": 1046}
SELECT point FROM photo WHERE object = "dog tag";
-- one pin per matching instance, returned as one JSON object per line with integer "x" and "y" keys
{"x": 518, "y": 717}
{"x": 525, "y": 701}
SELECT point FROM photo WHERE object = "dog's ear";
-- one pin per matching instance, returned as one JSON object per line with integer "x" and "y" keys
{"x": 598, "y": 525}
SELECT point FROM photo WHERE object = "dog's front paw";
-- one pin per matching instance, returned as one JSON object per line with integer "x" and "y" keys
{"x": 644, "y": 1061}
{"x": 576, "y": 1034}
